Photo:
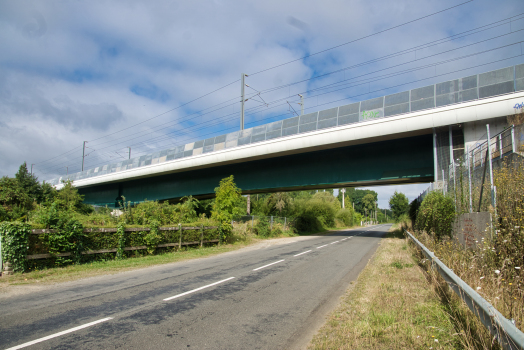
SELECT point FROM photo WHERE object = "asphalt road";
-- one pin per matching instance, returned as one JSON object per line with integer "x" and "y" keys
{"x": 270, "y": 298}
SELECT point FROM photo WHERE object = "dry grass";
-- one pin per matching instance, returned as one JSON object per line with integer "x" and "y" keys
{"x": 392, "y": 306}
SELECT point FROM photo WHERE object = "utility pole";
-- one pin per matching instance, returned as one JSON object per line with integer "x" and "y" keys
{"x": 302, "y": 106}
{"x": 129, "y": 152}
{"x": 343, "y": 195}
{"x": 83, "y": 155}
{"x": 32, "y": 169}
{"x": 242, "y": 101}
{"x": 248, "y": 204}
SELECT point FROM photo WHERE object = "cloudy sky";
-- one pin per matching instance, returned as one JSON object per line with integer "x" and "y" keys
{"x": 150, "y": 75}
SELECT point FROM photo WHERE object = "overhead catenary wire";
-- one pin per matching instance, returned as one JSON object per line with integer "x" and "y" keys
{"x": 403, "y": 72}
{"x": 382, "y": 89}
{"x": 146, "y": 132}
{"x": 279, "y": 65}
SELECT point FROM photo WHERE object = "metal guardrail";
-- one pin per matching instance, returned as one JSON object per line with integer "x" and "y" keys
{"x": 507, "y": 334}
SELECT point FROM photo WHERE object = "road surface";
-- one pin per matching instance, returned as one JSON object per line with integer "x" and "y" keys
{"x": 274, "y": 297}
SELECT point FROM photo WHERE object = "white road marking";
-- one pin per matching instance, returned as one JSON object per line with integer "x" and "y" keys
{"x": 273, "y": 263}
{"x": 196, "y": 290}
{"x": 334, "y": 242}
{"x": 302, "y": 253}
{"x": 59, "y": 334}
{"x": 322, "y": 246}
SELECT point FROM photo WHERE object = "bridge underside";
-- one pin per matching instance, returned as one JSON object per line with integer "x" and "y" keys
{"x": 400, "y": 161}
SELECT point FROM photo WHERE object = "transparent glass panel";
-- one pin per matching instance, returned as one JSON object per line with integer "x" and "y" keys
{"x": 199, "y": 144}
{"x": 447, "y": 99}
{"x": 147, "y": 162}
{"x": 468, "y": 95}
{"x": 328, "y": 114}
{"x": 327, "y": 123}
{"x": 396, "y": 109}
{"x": 171, "y": 157}
{"x": 349, "y": 109}
{"x": 395, "y": 99}
{"x": 422, "y": 93}
{"x": 469, "y": 82}
{"x": 182, "y": 154}
{"x": 232, "y": 136}
{"x": 422, "y": 104}
{"x": 244, "y": 133}
{"x": 180, "y": 148}
{"x": 189, "y": 146}
{"x": 274, "y": 126}
{"x": 232, "y": 143}
{"x": 258, "y": 138}
{"x": 368, "y": 115}
{"x": 219, "y": 146}
{"x": 209, "y": 148}
{"x": 163, "y": 153}
{"x": 372, "y": 104}
{"x": 287, "y": 123}
{"x": 348, "y": 119}
{"x": 261, "y": 129}
{"x": 447, "y": 87}
{"x": 220, "y": 139}
{"x": 244, "y": 140}
{"x": 273, "y": 134}
{"x": 209, "y": 142}
{"x": 496, "y": 89}
{"x": 290, "y": 131}
{"x": 188, "y": 153}
{"x": 307, "y": 127}
{"x": 519, "y": 71}
{"x": 197, "y": 151}
{"x": 496, "y": 76}
{"x": 308, "y": 118}
{"x": 519, "y": 84}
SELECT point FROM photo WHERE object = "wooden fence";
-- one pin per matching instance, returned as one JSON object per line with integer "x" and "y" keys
{"x": 130, "y": 229}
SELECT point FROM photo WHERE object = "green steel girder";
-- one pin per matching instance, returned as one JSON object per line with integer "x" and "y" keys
{"x": 406, "y": 160}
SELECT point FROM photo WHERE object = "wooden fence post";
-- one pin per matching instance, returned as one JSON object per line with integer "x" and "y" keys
{"x": 180, "y": 242}
{"x": 202, "y": 236}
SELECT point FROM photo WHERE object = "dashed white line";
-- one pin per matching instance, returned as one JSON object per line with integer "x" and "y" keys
{"x": 334, "y": 242}
{"x": 273, "y": 263}
{"x": 59, "y": 334}
{"x": 303, "y": 253}
{"x": 322, "y": 246}
{"x": 196, "y": 290}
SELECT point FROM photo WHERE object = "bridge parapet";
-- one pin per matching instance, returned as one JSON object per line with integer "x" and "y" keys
{"x": 499, "y": 82}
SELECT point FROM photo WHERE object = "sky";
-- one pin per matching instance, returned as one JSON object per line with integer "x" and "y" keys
{"x": 151, "y": 75}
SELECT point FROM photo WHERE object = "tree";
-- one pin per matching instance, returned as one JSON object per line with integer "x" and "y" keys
{"x": 225, "y": 208}
{"x": 399, "y": 204}
{"x": 356, "y": 197}
{"x": 14, "y": 201}
{"x": 368, "y": 203}
{"x": 29, "y": 183}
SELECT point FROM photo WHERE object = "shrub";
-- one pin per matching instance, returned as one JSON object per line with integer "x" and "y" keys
{"x": 436, "y": 215}
{"x": 262, "y": 227}
{"x": 15, "y": 236}
{"x": 346, "y": 216}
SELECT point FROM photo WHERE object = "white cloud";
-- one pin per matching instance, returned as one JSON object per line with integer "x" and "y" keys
{"x": 75, "y": 71}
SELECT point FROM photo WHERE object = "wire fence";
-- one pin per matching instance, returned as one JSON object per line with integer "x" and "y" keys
{"x": 252, "y": 220}
{"x": 469, "y": 178}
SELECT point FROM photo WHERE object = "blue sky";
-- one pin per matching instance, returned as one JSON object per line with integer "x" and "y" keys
{"x": 96, "y": 70}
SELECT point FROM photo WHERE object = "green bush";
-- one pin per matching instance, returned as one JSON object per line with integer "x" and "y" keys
{"x": 345, "y": 216}
{"x": 262, "y": 228}
{"x": 436, "y": 215}
{"x": 15, "y": 236}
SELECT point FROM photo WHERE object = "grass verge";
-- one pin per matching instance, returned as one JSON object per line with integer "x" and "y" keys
{"x": 393, "y": 305}
{"x": 74, "y": 272}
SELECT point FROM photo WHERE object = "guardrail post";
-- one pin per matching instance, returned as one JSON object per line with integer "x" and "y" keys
{"x": 202, "y": 236}
{"x": 180, "y": 237}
